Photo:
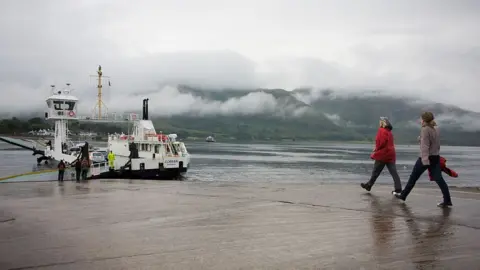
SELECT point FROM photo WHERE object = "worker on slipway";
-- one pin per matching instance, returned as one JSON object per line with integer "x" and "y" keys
{"x": 78, "y": 170}
{"x": 85, "y": 167}
{"x": 111, "y": 160}
{"x": 61, "y": 170}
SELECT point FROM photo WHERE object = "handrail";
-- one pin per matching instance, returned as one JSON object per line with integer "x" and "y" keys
{"x": 99, "y": 164}
{"x": 96, "y": 168}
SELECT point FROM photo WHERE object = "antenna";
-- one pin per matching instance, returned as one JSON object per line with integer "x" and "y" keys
{"x": 97, "y": 110}
{"x": 67, "y": 89}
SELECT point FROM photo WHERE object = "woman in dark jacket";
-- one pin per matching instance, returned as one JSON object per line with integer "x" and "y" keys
{"x": 429, "y": 160}
{"x": 61, "y": 170}
{"x": 384, "y": 155}
{"x": 78, "y": 169}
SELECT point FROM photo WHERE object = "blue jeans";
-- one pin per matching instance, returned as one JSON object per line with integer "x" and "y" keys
{"x": 419, "y": 169}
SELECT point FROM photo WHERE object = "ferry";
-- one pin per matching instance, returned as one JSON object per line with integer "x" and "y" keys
{"x": 142, "y": 154}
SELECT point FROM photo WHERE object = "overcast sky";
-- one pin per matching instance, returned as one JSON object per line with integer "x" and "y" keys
{"x": 429, "y": 48}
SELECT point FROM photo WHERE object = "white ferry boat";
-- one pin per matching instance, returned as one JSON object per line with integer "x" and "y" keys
{"x": 147, "y": 154}
{"x": 142, "y": 154}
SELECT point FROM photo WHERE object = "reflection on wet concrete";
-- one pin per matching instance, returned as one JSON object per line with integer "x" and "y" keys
{"x": 382, "y": 226}
{"x": 430, "y": 242}
{"x": 428, "y": 239}
{"x": 199, "y": 225}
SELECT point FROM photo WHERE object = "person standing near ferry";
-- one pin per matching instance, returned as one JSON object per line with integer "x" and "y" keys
{"x": 429, "y": 159}
{"x": 111, "y": 160}
{"x": 61, "y": 170}
{"x": 78, "y": 169}
{"x": 85, "y": 167}
{"x": 384, "y": 155}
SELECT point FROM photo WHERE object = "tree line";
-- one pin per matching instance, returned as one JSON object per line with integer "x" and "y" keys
{"x": 242, "y": 129}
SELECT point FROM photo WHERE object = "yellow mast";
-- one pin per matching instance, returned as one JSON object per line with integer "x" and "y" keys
{"x": 99, "y": 102}
{"x": 99, "y": 87}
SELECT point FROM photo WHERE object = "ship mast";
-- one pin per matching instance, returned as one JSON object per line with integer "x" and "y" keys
{"x": 97, "y": 110}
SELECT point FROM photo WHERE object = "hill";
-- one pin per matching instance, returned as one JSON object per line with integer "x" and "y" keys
{"x": 301, "y": 114}
{"x": 309, "y": 114}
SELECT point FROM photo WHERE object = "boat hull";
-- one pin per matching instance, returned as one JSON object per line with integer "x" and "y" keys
{"x": 97, "y": 172}
{"x": 148, "y": 174}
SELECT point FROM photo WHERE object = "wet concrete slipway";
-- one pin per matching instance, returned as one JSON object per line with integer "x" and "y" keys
{"x": 201, "y": 225}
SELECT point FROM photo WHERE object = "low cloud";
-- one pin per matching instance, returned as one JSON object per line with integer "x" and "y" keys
{"x": 335, "y": 118}
{"x": 469, "y": 122}
{"x": 169, "y": 101}
{"x": 431, "y": 53}
{"x": 465, "y": 122}
{"x": 311, "y": 95}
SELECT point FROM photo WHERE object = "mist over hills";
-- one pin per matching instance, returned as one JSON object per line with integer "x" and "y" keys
{"x": 322, "y": 115}
{"x": 300, "y": 114}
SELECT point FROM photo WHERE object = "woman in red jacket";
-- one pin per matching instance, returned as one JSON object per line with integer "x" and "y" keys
{"x": 384, "y": 155}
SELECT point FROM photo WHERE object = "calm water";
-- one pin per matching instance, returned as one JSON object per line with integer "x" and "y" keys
{"x": 290, "y": 162}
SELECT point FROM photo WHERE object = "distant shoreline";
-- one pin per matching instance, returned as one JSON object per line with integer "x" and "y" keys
{"x": 239, "y": 141}
{"x": 313, "y": 141}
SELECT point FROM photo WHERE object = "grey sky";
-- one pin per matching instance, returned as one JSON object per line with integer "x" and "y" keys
{"x": 429, "y": 48}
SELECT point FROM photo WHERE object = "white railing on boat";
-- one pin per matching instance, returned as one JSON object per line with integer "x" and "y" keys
{"x": 98, "y": 168}
{"x": 111, "y": 117}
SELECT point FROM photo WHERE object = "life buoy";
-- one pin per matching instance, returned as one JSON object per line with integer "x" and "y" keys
{"x": 125, "y": 137}
{"x": 71, "y": 113}
{"x": 162, "y": 138}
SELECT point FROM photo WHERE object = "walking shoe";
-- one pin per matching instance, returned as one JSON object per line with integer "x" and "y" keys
{"x": 367, "y": 187}
{"x": 444, "y": 204}
{"x": 399, "y": 196}
{"x": 396, "y": 192}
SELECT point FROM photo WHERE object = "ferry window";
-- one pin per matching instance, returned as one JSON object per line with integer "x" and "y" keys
{"x": 64, "y": 105}
{"x": 175, "y": 149}
{"x": 157, "y": 149}
{"x": 58, "y": 105}
{"x": 70, "y": 105}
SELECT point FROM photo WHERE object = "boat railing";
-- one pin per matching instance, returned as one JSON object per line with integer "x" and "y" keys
{"x": 110, "y": 117}
{"x": 166, "y": 141}
{"x": 98, "y": 168}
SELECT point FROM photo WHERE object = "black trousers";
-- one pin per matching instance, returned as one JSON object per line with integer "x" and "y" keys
{"x": 436, "y": 170}
{"x": 84, "y": 174}
{"x": 78, "y": 173}
{"x": 392, "y": 169}
{"x": 60, "y": 175}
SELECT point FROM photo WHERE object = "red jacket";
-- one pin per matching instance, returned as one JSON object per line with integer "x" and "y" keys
{"x": 384, "y": 146}
{"x": 444, "y": 168}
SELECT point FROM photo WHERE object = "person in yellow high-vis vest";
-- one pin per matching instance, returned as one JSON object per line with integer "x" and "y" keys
{"x": 111, "y": 159}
